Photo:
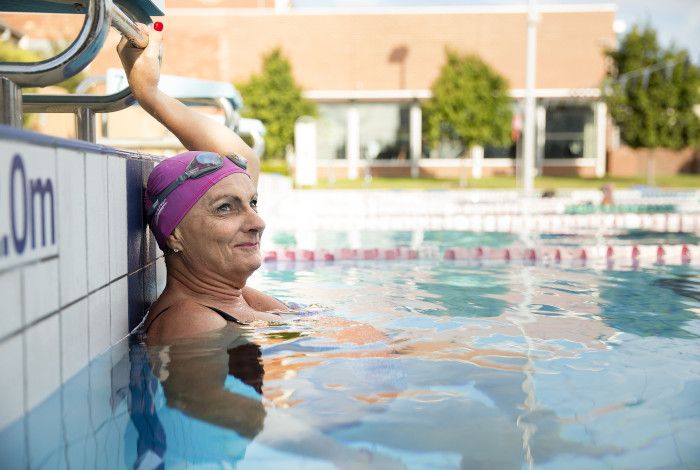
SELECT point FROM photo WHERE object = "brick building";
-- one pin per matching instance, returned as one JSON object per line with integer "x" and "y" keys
{"x": 369, "y": 70}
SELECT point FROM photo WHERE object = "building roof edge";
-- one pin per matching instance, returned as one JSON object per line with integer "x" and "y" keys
{"x": 424, "y": 10}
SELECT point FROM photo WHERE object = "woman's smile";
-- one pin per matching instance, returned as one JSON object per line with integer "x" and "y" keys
{"x": 248, "y": 245}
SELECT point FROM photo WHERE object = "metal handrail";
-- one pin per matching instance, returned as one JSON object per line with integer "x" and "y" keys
{"x": 69, "y": 62}
{"x": 122, "y": 23}
{"x": 34, "y": 103}
{"x": 97, "y": 103}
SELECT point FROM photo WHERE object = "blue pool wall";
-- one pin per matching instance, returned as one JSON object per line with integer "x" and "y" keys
{"x": 78, "y": 268}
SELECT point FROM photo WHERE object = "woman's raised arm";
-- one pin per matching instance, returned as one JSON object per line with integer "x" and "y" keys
{"x": 195, "y": 130}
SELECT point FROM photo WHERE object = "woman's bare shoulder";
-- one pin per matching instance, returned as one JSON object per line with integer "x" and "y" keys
{"x": 182, "y": 319}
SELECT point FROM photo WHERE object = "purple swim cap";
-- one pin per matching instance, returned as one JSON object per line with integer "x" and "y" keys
{"x": 181, "y": 199}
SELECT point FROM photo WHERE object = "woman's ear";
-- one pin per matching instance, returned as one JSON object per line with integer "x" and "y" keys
{"x": 174, "y": 241}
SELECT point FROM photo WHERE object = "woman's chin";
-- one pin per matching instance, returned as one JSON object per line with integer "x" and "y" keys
{"x": 253, "y": 261}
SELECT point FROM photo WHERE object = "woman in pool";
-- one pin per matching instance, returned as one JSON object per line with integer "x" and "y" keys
{"x": 201, "y": 207}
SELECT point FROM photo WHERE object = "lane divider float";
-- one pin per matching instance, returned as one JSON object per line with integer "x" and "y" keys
{"x": 611, "y": 254}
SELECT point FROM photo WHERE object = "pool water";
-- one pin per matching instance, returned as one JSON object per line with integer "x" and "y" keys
{"x": 406, "y": 364}
{"x": 443, "y": 239}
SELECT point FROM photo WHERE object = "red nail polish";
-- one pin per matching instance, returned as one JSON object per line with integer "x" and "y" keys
{"x": 158, "y": 26}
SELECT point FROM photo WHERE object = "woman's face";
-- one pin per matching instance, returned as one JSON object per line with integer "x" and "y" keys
{"x": 220, "y": 235}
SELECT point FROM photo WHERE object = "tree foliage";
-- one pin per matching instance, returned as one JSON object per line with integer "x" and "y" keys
{"x": 10, "y": 52}
{"x": 470, "y": 104}
{"x": 274, "y": 97}
{"x": 651, "y": 92}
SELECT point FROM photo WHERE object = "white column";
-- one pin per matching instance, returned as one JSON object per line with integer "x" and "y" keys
{"x": 477, "y": 156}
{"x": 601, "y": 121}
{"x": 305, "y": 173}
{"x": 352, "y": 142}
{"x": 415, "y": 139}
{"x": 529, "y": 134}
{"x": 541, "y": 137}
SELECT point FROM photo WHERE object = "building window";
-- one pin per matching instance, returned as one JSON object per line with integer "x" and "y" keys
{"x": 569, "y": 131}
{"x": 450, "y": 146}
{"x": 384, "y": 131}
{"x": 331, "y": 131}
{"x": 500, "y": 152}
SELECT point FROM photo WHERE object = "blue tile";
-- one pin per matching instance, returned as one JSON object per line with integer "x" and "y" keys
{"x": 151, "y": 248}
{"x": 13, "y": 448}
{"x": 137, "y": 241}
{"x": 45, "y": 432}
{"x": 137, "y": 302}
{"x": 100, "y": 393}
{"x": 150, "y": 285}
{"x": 76, "y": 416}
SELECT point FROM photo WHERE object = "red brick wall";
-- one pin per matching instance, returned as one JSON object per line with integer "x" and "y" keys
{"x": 351, "y": 51}
{"x": 627, "y": 161}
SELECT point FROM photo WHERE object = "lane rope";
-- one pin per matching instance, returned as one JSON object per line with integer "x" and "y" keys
{"x": 611, "y": 254}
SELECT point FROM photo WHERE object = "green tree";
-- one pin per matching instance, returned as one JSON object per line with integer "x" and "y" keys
{"x": 274, "y": 97}
{"x": 651, "y": 92}
{"x": 470, "y": 104}
{"x": 10, "y": 52}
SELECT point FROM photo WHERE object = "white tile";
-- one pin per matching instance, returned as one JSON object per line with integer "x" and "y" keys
{"x": 117, "y": 218}
{"x": 119, "y": 309}
{"x": 12, "y": 383}
{"x": 161, "y": 274}
{"x": 43, "y": 360}
{"x": 40, "y": 289}
{"x": 74, "y": 339}
{"x": 97, "y": 227}
{"x": 72, "y": 244}
{"x": 98, "y": 313}
{"x": 11, "y": 306}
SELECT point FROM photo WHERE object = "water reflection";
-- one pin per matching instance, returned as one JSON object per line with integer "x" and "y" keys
{"x": 216, "y": 379}
{"x": 212, "y": 399}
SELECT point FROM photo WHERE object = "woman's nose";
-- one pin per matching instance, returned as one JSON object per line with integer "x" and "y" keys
{"x": 255, "y": 222}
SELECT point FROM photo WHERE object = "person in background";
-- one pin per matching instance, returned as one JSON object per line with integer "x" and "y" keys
{"x": 607, "y": 190}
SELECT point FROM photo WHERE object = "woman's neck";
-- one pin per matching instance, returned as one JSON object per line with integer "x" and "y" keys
{"x": 205, "y": 288}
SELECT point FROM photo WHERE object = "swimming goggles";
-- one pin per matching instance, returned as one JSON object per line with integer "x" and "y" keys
{"x": 202, "y": 164}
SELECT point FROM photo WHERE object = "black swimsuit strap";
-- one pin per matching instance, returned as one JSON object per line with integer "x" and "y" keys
{"x": 225, "y": 315}
{"x": 157, "y": 315}
{"x": 221, "y": 313}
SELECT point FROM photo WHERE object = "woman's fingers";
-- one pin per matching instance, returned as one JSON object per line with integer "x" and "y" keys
{"x": 122, "y": 44}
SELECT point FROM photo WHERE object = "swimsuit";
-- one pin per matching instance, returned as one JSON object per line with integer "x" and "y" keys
{"x": 221, "y": 313}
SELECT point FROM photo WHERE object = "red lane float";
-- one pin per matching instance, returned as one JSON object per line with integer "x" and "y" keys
{"x": 652, "y": 254}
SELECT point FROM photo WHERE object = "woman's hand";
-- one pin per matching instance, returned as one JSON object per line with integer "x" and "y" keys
{"x": 142, "y": 66}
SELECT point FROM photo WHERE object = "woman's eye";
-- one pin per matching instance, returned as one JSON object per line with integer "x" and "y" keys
{"x": 224, "y": 208}
{"x": 254, "y": 204}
